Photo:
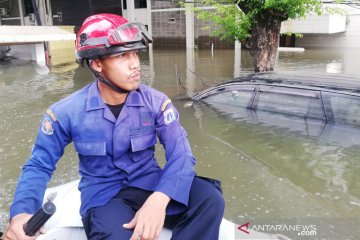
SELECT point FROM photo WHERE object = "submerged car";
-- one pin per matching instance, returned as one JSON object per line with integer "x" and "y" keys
{"x": 306, "y": 103}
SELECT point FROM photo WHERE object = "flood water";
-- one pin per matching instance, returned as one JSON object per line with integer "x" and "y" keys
{"x": 270, "y": 174}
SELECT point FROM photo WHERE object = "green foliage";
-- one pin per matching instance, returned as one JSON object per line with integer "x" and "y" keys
{"x": 294, "y": 8}
{"x": 235, "y": 18}
{"x": 232, "y": 23}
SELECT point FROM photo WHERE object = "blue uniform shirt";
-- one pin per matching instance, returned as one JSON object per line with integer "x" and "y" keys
{"x": 113, "y": 153}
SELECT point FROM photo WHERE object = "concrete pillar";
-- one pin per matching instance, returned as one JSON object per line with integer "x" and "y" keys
{"x": 190, "y": 62}
{"x": 151, "y": 65}
{"x": 45, "y": 12}
{"x": 21, "y": 11}
{"x": 130, "y": 10}
{"x": 39, "y": 53}
{"x": 149, "y": 17}
{"x": 189, "y": 18}
{"x": 237, "y": 59}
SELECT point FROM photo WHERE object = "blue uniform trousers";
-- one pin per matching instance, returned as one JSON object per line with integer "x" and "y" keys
{"x": 200, "y": 220}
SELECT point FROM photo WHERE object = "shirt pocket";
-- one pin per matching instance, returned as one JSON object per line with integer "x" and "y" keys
{"x": 91, "y": 147}
{"x": 142, "y": 146}
{"x": 93, "y": 158}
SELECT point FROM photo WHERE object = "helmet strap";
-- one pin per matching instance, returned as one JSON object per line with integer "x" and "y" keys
{"x": 106, "y": 81}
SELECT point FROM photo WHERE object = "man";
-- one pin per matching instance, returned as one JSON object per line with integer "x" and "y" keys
{"x": 113, "y": 123}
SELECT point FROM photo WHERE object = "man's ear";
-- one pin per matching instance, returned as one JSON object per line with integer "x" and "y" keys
{"x": 96, "y": 65}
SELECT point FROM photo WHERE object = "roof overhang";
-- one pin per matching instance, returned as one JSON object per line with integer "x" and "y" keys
{"x": 30, "y": 34}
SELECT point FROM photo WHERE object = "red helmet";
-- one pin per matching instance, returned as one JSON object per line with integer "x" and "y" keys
{"x": 106, "y": 34}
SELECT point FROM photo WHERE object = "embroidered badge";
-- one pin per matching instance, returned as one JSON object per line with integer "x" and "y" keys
{"x": 169, "y": 116}
{"x": 146, "y": 119}
{"x": 46, "y": 126}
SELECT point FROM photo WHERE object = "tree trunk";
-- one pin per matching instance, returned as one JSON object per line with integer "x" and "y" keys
{"x": 264, "y": 43}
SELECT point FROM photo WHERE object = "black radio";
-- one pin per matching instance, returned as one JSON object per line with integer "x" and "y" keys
{"x": 41, "y": 216}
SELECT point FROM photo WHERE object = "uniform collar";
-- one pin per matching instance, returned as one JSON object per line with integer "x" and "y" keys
{"x": 135, "y": 98}
{"x": 94, "y": 100}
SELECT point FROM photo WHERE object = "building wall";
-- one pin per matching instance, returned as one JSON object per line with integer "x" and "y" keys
{"x": 167, "y": 33}
{"x": 315, "y": 24}
{"x": 141, "y": 15}
{"x": 161, "y": 4}
{"x": 169, "y": 28}
{"x": 348, "y": 39}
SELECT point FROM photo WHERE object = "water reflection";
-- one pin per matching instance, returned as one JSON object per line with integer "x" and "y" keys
{"x": 237, "y": 59}
{"x": 190, "y": 72}
{"x": 321, "y": 60}
{"x": 267, "y": 170}
{"x": 326, "y": 133}
{"x": 334, "y": 67}
{"x": 171, "y": 66}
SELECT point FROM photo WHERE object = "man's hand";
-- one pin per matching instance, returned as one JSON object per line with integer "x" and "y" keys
{"x": 149, "y": 219}
{"x": 15, "y": 230}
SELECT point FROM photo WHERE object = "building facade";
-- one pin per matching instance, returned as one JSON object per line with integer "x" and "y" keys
{"x": 170, "y": 25}
{"x": 168, "y": 20}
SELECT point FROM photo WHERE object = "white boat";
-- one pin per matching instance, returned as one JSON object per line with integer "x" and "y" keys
{"x": 66, "y": 223}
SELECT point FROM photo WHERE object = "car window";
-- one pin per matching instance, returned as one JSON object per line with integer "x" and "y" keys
{"x": 239, "y": 98}
{"x": 290, "y": 101}
{"x": 346, "y": 109}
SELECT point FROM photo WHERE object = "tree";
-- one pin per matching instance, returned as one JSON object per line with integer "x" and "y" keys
{"x": 256, "y": 23}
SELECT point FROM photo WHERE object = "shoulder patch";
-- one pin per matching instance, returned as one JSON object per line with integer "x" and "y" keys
{"x": 163, "y": 107}
{"x": 46, "y": 126}
{"x": 169, "y": 116}
{"x": 51, "y": 114}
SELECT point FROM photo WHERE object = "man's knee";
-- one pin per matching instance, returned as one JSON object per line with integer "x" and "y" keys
{"x": 105, "y": 222}
{"x": 216, "y": 203}
{"x": 210, "y": 196}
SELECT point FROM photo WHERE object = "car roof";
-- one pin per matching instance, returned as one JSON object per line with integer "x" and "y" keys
{"x": 325, "y": 82}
